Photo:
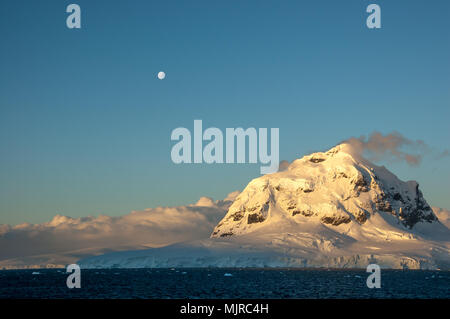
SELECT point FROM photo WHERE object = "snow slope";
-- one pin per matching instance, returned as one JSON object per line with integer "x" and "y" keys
{"x": 331, "y": 209}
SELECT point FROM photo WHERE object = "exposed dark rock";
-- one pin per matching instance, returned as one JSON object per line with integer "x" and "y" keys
{"x": 316, "y": 160}
{"x": 255, "y": 218}
{"x": 421, "y": 212}
{"x": 361, "y": 216}
{"x": 237, "y": 216}
{"x": 336, "y": 220}
{"x": 382, "y": 203}
{"x": 360, "y": 183}
{"x": 384, "y": 206}
{"x": 226, "y": 234}
{"x": 306, "y": 213}
{"x": 342, "y": 174}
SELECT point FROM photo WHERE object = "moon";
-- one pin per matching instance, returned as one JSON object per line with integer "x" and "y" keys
{"x": 161, "y": 75}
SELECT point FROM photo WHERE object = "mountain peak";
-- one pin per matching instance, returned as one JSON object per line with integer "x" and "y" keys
{"x": 341, "y": 152}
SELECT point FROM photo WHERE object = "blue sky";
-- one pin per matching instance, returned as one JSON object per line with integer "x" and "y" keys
{"x": 85, "y": 124}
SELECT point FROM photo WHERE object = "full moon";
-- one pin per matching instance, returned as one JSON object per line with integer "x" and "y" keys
{"x": 161, "y": 75}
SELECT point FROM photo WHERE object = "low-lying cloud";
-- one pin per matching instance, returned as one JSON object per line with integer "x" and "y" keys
{"x": 64, "y": 239}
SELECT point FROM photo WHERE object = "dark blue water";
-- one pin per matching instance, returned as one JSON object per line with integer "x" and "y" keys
{"x": 211, "y": 283}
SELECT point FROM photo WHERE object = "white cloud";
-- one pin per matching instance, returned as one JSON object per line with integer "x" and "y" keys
{"x": 64, "y": 239}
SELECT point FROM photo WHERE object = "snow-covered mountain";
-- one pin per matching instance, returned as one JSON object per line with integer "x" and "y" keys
{"x": 335, "y": 188}
{"x": 331, "y": 209}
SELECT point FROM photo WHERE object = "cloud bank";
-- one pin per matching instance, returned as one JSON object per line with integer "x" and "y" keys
{"x": 64, "y": 239}
{"x": 387, "y": 147}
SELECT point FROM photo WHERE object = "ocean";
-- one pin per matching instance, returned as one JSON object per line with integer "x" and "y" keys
{"x": 220, "y": 283}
